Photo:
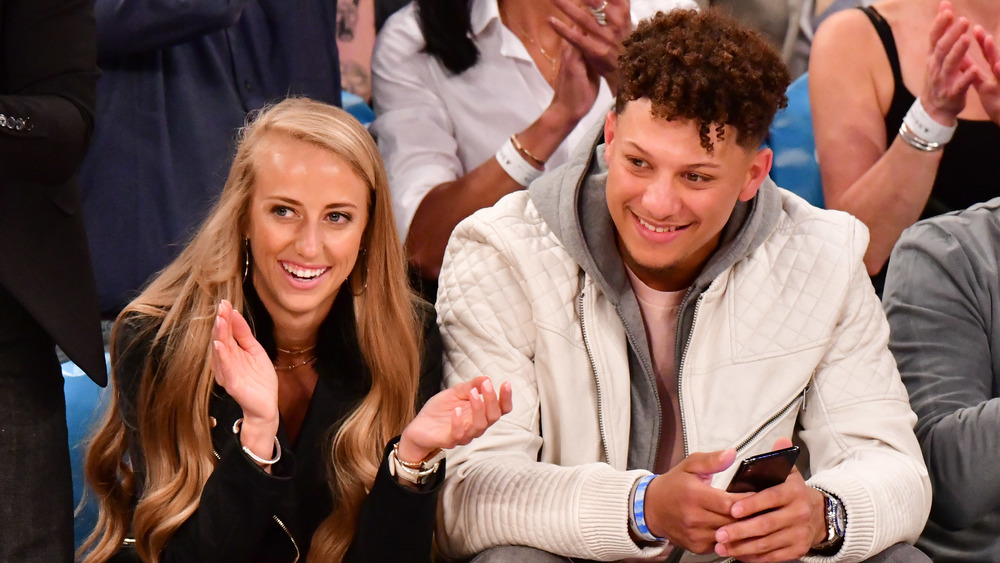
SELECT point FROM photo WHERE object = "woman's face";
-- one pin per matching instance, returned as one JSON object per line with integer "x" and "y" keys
{"x": 308, "y": 212}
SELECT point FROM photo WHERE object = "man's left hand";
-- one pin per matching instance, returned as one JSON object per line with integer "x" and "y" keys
{"x": 781, "y": 523}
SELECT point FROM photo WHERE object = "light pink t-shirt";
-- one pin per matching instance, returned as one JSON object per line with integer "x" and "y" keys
{"x": 659, "y": 316}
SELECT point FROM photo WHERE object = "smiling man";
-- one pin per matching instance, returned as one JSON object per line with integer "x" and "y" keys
{"x": 664, "y": 310}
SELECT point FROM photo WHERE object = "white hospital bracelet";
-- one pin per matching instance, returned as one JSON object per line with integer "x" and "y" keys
{"x": 925, "y": 127}
{"x": 515, "y": 165}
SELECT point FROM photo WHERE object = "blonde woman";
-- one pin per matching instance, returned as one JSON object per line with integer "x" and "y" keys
{"x": 261, "y": 378}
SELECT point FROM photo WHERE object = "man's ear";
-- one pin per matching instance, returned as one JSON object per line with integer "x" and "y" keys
{"x": 760, "y": 166}
{"x": 609, "y": 132}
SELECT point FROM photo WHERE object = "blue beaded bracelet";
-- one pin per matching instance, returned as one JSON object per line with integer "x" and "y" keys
{"x": 638, "y": 510}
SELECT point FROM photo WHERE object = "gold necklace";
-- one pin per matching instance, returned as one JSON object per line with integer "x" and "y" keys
{"x": 297, "y": 352}
{"x": 306, "y": 361}
{"x": 552, "y": 60}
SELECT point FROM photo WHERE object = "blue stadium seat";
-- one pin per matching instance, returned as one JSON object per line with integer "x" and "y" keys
{"x": 791, "y": 138}
{"x": 356, "y": 106}
{"x": 83, "y": 409}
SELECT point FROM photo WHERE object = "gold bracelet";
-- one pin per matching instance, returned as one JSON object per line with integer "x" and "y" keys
{"x": 534, "y": 159}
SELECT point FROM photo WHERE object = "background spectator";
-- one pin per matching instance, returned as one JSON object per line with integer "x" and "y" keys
{"x": 178, "y": 79}
{"x": 865, "y": 71}
{"x": 453, "y": 80}
{"x": 942, "y": 297}
{"x": 47, "y": 296}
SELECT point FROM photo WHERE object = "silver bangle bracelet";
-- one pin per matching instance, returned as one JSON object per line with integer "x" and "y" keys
{"x": 261, "y": 461}
{"x": 916, "y": 141}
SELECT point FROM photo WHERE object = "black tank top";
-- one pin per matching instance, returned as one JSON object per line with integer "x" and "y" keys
{"x": 970, "y": 166}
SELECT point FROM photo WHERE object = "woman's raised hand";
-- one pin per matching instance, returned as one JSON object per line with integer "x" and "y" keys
{"x": 576, "y": 86}
{"x": 599, "y": 44}
{"x": 453, "y": 417}
{"x": 950, "y": 70}
{"x": 241, "y": 366}
{"x": 987, "y": 83}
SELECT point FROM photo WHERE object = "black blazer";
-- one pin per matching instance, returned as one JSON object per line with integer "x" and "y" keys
{"x": 48, "y": 76}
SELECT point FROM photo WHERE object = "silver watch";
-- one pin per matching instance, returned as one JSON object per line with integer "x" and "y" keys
{"x": 836, "y": 522}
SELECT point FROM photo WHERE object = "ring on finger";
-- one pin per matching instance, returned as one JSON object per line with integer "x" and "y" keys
{"x": 599, "y": 14}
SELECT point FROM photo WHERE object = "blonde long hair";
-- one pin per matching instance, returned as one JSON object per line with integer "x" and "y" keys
{"x": 180, "y": 303}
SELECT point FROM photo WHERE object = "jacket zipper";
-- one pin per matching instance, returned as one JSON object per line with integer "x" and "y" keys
{"x": 289, "y": 534}
{"x": 281, "y": 524}
{"x": 680, "y": 373}
{"x": 800, "y": 396}
{"x": 597, "y": 379}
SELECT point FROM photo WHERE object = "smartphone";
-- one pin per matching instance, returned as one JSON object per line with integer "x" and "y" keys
{"x": 762, "y": 471}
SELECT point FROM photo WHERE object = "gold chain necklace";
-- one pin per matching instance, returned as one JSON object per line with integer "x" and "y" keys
{"x": 304, "y": 362}
{"x": 552, "y": 60}
{"x": 297, "y": 352}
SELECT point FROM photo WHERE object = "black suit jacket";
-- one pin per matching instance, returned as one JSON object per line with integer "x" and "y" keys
{"x": 48, "y": 76}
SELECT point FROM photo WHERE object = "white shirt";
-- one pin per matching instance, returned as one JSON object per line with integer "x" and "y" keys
{"x": 434, "y": 127}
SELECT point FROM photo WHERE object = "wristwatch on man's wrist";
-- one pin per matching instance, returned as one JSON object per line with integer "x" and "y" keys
{"x": 416, "y": 473}
{"x": 836, "y": 523}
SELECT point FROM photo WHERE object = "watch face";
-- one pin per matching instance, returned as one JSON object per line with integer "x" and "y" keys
{"x": 840, "y": 520}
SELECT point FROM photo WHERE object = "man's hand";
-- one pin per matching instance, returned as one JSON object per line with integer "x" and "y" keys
{"x": 682, "y": 506}
{"x": 781, "y": 523}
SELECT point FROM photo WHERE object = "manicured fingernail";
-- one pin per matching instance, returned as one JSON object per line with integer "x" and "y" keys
{"x": 475, "y": 393}
{"x": 488, "y": 386}
{"x": 217, "y": 345}
{"x": 458, "y": 411}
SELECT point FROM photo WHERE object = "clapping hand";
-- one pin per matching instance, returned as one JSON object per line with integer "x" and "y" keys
{"x": 987, "y": 83}
{"x": 599, "y": 44}
{"x": 454, "y": 417}
{"x": 950, "y": 70}
{"x": 242, "y": 367}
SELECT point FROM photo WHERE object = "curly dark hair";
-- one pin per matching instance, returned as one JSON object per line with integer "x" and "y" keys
{"x": 706, "y": 67}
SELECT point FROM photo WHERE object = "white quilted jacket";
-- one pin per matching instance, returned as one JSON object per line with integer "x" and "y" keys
{"x": 790, "y": 334}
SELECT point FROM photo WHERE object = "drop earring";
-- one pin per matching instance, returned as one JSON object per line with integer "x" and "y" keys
{"x": 246, "y": 258}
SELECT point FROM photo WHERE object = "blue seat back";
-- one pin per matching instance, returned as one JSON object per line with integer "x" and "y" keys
{"x": 83, "y": 410}
{"x": 791, "y": 138}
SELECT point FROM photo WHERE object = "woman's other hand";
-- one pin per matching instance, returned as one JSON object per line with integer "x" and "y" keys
{"x": 950, "y": 70}
{"x": 987, "y": 83}
{"x": 576, "y": 88}
{"x": 599, "y": 44}
{"x": 242, "y": 367}
{"x": 454, "y": 417}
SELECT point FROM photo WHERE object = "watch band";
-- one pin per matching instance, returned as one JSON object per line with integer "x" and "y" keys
{"x": 416, "y": 473}
{"x": 836, "y": 522}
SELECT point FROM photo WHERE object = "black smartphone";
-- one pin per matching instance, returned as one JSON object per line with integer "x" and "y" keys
{"x": 762, "y": 471}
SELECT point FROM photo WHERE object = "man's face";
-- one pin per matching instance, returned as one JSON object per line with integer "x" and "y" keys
{"x": 670, "y": 198}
